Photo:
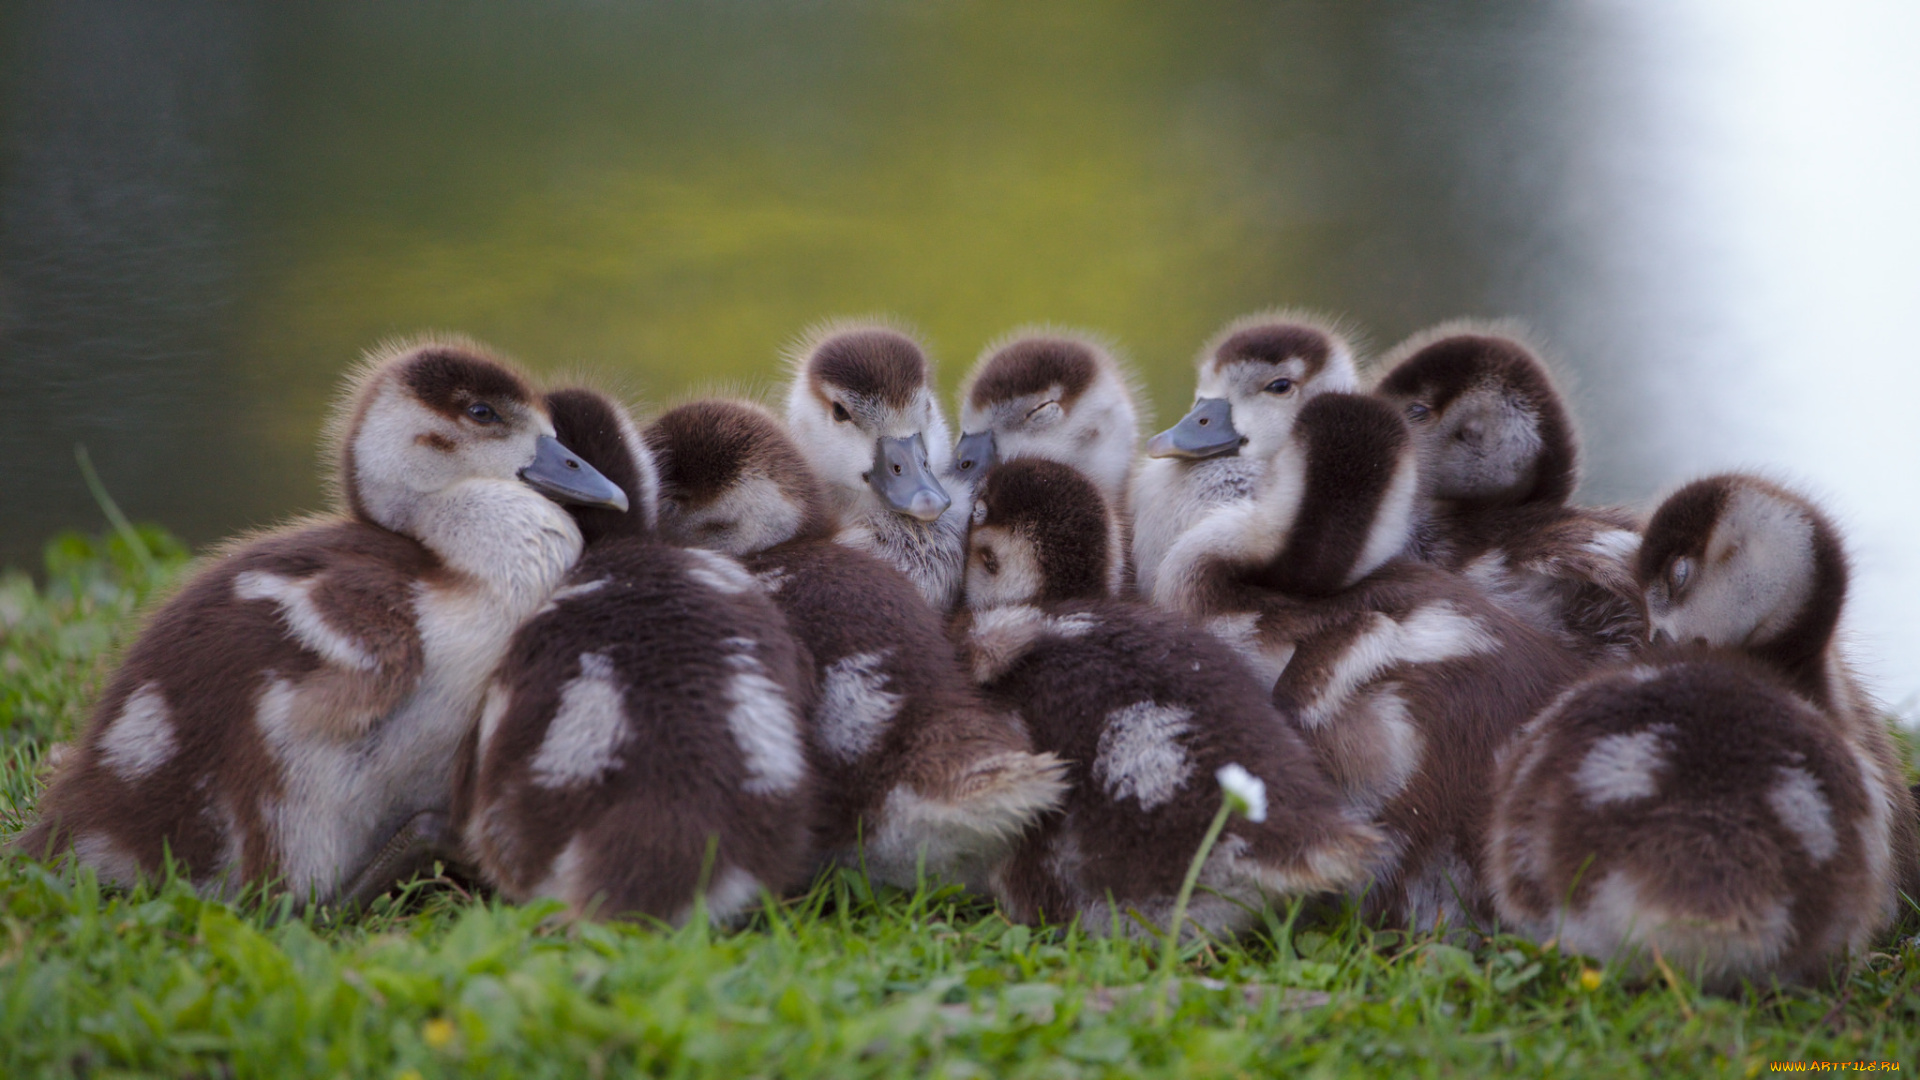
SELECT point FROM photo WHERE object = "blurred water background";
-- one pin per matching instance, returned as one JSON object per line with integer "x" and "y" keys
{"x": 1706, "y": 210}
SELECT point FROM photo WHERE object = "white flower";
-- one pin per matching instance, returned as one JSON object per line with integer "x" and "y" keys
{"x": 1245, "y": 792}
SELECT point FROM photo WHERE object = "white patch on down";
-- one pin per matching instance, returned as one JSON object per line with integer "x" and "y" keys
{"x": 1241, "y": 633}
{"x": 303, "y": 619}
{"x": 1392, "y": 521}
{"x": 141, "y": 738}
{"x": 492, "y": 711}
{"x": 732, "y": 894}
{"x": 563, "y": 877}
{"x": 772, "y": 580}
{"x": 855, "y": 705}
{"x": 584, "y": 739}
{"x": 1799, "y": 804}
{"x": 1002, "y": 635}
{"x": 111, "y": 863}
{"x": 568, "y": 592}
{"x": 1623, "y": 767}
{"x": 1429, "y": 635}
{"x": 764, "y": 727}
{"x": 1619, "y": 545}
{"x": 719, "y": 573}
{"x": 1140, "y": 754}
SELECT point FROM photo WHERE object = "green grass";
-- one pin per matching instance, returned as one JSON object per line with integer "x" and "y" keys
{"x": 840, "y": 982}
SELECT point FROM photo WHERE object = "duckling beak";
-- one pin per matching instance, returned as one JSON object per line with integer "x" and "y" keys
{"x": 974, "y": 455}
{"x": 1205, "y": 432}
{"x": 902, "y": 480}
{"x": 565, "y": 477}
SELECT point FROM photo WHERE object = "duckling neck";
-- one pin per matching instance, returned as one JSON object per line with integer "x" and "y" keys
{"x": 501, "y": 533}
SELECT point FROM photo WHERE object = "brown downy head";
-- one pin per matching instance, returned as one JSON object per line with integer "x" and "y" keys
{"x": 731, "y": 479}
{"x": 1349, "y": 472}
{"x": 422, "y": 418}
{"x": 1736, "y": 562}
{"x": 602, "y": 434}
{"x": 1491, "y": 427}
{"x": 1041, "y": 534}
{"x": 862, "y": 411}
{"x": 1255, "y": 377}
{"x": 1049, "y": 394}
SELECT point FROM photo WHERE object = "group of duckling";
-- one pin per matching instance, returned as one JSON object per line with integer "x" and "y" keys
{"x": 654, "y": 671}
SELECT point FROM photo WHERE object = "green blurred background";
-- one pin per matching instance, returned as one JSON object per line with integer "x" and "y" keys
{"x": 210, "y": 208}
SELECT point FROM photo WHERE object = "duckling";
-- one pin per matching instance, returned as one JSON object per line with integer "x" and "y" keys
{"x": 1055, "y": 395}
{"x": 1730, "y": 803}
{"x": 1500, "y": 459}
{"x": 862, "y": 410}
{"x": 914, "y": 768}
{"x": 1255, "y": 375}
{"x": 293, "y": 713}
{"x": 1148, "y": 708}
{"x": 1403, "y": 678}
{"x": 643, "y": 739}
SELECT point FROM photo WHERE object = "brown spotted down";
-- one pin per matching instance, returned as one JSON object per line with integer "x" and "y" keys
{"x": 1033, "y": 365}
{"x": 874, "y": 364}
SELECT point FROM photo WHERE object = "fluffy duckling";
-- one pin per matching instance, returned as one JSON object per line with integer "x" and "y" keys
{"x": 643, "y": 738}
{"x": 914, "y": 768}
{"x": 1403, "y": 678}
{"x": 1500, "y": 460}
{"x": 863, "y": 412}
{"x": 293, "y": 713}
{"x": 1255, "y": 375}
{"x": 1730, "y": 804}
{"x": 1148, "y": 708}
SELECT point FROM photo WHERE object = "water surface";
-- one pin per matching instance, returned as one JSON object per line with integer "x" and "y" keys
{"x": 208, "y": 209}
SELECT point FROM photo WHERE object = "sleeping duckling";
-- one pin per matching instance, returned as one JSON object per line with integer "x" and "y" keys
{"x": 293, "y": 713}
{"x": 1403, "y": 677}
{"x": 1147, "y": 708}
{"x": 642, "y": 740}
{"x": 862, "y": 410}
{"x": 915, "y": 770}
{"x": 1500, "y": 459}
{"x": 1255, "y": 376}
{"x": 1731, "y": 803}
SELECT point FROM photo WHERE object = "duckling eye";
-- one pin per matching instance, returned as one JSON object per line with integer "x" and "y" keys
{"x": 840, "y": 413}
{"x": 1417, "y": 412}
{"x": 483, "y": 413}
{"x": 1280, "y": 386}
{"x": 1677, "y": 575}
{"x": 896, "y": 468}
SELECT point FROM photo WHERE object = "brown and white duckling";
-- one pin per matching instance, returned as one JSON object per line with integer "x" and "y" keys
{"x": 1731, "y": 803}
{"x": 293, "y": 713}
{"x": 1499, "y": 459}
{"x": 1404, "y": 678}
{"x": 914, "y": 768}
{"x": 862, "y": 410}
{"x": 1148, "y": 708}
{"x": 1255, "y": 375}
{"x": 643, "y": 738}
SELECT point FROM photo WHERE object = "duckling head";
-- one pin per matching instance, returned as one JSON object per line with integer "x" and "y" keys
{"x": 732, "y": 480}
{"x": 1343, "y": 488}
{"x": 1055, "y": 395}
{"x": 424, "y": 421}
{"x": 1041, "y": 534}
{"x": 1255, "y": 377}
{"x": 862, "y": 410}
{"x": 602, "y": 434}
{"x": 1491, "y": 427}
{"x": 1735, "y": 561}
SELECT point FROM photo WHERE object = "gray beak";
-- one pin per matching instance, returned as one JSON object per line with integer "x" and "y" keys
{"x": 974, "y": 455}
{"x": 1205, "y": 432}
{"x": 561, "y": 475}
{"x": 901, "y": 478}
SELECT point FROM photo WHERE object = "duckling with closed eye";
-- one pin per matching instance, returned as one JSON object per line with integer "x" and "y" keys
{"x": 643, "y": 738}
{"x": 915, "y": 768}
{"x": 293, "y": 713}
{"x": 862, "y": 410}
{"x": 1148, "y": 708}
{"x": 1500, "y": 461}
{"x": 1055, "y": 395}
{"x": 1255, "y": 376}
{"x": 1404, "y": 678}
{"x": 1731, "y": 804}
